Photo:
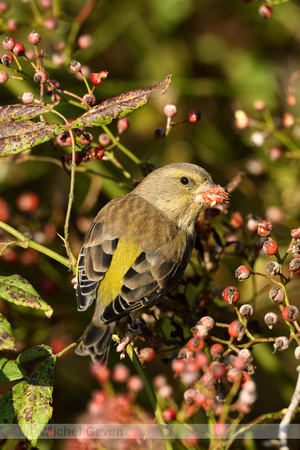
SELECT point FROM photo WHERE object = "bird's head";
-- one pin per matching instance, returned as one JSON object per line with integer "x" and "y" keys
{"x": 180, "y": 191}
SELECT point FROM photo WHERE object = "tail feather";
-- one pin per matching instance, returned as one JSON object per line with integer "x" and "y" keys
{"x": 95, "y": 342}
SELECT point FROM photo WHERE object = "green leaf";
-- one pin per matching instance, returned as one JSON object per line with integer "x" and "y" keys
{"x": 11, "y": 370}
{"x": 34, "y": 409}
{"x": 9, "y": 404}
{"x": 21, "y": 112}
{"x": 118, "y": 107}
{"x": 17, "y": 290}
{"x": 39, "y": 351}
{"x": 16, "y": 137}
{"x": 7, "y": 341}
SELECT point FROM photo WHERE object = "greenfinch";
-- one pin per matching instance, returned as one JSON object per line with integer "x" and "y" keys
{"x": 137, "y": 248}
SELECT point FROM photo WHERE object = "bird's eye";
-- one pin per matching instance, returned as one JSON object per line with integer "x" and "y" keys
{"x": 184, "y": 180}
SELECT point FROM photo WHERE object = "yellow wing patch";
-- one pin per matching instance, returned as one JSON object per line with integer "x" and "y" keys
{"x": 125, "y": 255}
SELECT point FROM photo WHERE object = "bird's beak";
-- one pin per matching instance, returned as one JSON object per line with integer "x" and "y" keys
{"x": 211, "y": 194}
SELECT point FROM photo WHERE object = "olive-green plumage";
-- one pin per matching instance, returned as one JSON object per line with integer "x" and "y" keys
{"x": 137, "y": 249}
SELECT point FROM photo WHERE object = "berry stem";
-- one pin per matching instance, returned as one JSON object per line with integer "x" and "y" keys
{"x": 121, "y": 147}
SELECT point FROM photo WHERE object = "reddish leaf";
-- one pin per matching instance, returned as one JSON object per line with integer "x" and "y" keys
{"x": 21, "y": 112}
{"x": 16, "y": 137}
{"x": 117, "y": 107}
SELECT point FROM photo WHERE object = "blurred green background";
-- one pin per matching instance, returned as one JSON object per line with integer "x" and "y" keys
{"x": 223, "y": 57}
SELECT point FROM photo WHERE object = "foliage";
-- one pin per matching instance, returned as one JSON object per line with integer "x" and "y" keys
{"x": 210, "y": 352}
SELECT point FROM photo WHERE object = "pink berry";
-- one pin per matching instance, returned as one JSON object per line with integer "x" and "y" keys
{"x": 86, "y": 137}
{"x": 276, "y": 294}
{"x": 236, "y": 329}
{"x": 270, "y": 247}
{"x": 194, "y": 116}
{"x": 273, "y": 268}
{"x": 297, "y": 352}
{"x": 275, "y": 153}
{"x": 123, "y": 125}
{"x": 75, "y": 66}
{"x": 45, "y": 4}
{"x": 202, "y": 360}
{"x": 7, "y": 59}
{"x": 40, "y": 77}
{"x": 19, "y": 49}
{"x": 246, "y": 310}
{"x": 290, "y": 313}
{"x": 104, "y": 139}
{"x": 265, "y": 11}
{"x": 27, "y": 97}
{"x": 270, "y": 319}
{"x": 218, "y": 370}
{"x": 295, "y": 233}
{"x": 12, "y": 25}
{"x": 169, "y": 414}
{"x": 120, "y": 373}
{"x": 84, "y": 41}
{"x": 160, "y": 381}
{"x": 241, "y": 119}
{"x": 178, "y": 365}
{"x": 207, "y": 321}
{"x": 242, "y": 273}
{"x": 288, "y": 120}
{"x": 170, "y": 110}
{"x": 3, "y": 76}
{"x": 159, "y": 133}
{"x": 191, "y": 439}
{"x": 51, "y": 23}
{"x": 100, "y": 371}
{"x": 89, "y": 100}
{"x": 34, "y": 37}
{"x": 135, "y": 383}
{"x": 281, "y": 343}
{"x": 231, "y": 294}
{"x": 8, "y": 43}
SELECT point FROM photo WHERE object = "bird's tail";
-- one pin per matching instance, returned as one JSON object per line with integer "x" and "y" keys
{"x": 95, "y": 342}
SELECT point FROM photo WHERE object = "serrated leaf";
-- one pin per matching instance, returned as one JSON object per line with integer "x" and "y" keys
{"x": 21, "y": 112}
{"x": 39, "y": 351}
{"x": 34, "y": 409}
{"x": 17, "y": 290}
{"x": 118, "y": 107}
{"x": 10, "y": 370}
{"x": 16, "y": 137}
{"x": 7, "y": 341}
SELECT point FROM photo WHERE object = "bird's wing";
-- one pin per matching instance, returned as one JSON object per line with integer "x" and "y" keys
{"x": 93, "y": 262}
{"x": 148, "y": 279}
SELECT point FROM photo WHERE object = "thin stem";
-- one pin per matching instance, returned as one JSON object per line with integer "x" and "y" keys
{"x": 24, "y": 242}
{"x": 121, "y": 147}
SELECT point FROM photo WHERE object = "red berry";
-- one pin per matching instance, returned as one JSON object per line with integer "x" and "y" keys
{"x": 7, "y": 59}
{"x": 194, "y": 115}
{"x": 236, "y": 329}
{"x": 216, "y": 350}
{"x": 231, "y": 294}
{"x": 220, "y": 430}
{"x": 86, "y": 137}
{"x": 34, "y": 37}
{"x": 295, "y": 233}
{"x": 242, "y": 273}
{"x": 265, "y": 11}
{"x": 294, "y": 265}
{"x": 196, "y": 344}
{"x": 264, "y": 228}
{"x": 19, "y": 49}
{"x": 169, "y": 414}
{"x": 270, "y": 247}
{"x": 123, "y": 125}
{"x": 96, "y": 78}
{"x": 28, "y": 202}
{"x": 4, "y": 7}
{"x": 40, "y": 77}
{"x": 3, "y": 76}
{"x": 46, "y": 4}
{"x": 207, "y": 321}
{"x": 147, "y": 354}
{"x": 159, "y": 133}
{"x": 218, "y": 370}
{"x": 8, "y": 43}
{"x": 290, "y": 313}
{"x": 68, "y": 158}
{"x": 4, "y": 211}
